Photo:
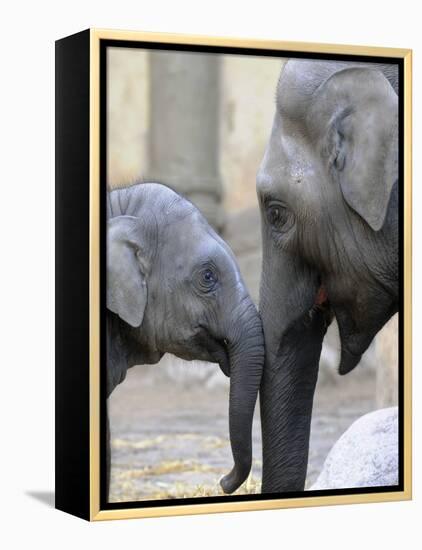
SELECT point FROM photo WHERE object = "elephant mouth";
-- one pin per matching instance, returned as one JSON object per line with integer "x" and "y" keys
{"x": 348, "y": 360}
{"x": 221, "y": 355}
{"x": 350, "y": 354}
{"x": 322, "y": 305}
{"x": 217, "y": 350}
{"x": 321, "y": 298}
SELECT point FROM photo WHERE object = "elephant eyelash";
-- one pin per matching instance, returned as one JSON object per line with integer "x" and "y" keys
{"x": 267, "y": 200}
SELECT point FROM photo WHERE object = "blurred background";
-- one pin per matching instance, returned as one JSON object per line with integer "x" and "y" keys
{"x": 200, "y": 123}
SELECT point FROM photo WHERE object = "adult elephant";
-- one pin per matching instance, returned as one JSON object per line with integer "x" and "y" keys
{"x": 173, "y": 285}
{"x": 328, "y": 193}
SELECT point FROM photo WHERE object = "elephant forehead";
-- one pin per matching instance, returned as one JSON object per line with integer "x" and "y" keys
{"x": 300, "y": 79}
{"x": 191, "y": 244}
{"x": 288, "y": 165}
{"x": 297, "y": 83}
{"x": 302, "y": 76}
{"x": 184, "y": 242}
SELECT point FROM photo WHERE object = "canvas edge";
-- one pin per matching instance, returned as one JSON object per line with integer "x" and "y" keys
{"x": 96, "y": 514}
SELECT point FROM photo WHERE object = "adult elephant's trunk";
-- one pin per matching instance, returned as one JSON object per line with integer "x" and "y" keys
{"x": 294, "y": 327}
{"x": 246, "y": 352}
{"x": 286, "y": 398}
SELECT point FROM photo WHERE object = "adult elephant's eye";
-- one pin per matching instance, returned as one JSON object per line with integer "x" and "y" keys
{"x": 279, "y": 217}
{"x": 274, "y": 214}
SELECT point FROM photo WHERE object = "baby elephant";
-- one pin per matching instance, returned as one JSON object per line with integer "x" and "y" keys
{"x": 173, "y": 285}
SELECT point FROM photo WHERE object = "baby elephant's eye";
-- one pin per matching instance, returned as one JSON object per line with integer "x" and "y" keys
{"x": 208, "y": 279}
{"x": 208, "y": 276}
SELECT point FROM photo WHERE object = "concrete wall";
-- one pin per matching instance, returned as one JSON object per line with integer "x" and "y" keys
{"x": 246, "y": 109}
{"x": 128, "y": 115}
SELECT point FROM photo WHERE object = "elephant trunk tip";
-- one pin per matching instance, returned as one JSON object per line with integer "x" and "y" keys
{"x": 233, "y": 480}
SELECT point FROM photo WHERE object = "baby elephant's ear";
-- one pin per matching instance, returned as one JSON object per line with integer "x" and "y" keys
{"x": 126, "y": 284}
{"x": 363, "y": 139}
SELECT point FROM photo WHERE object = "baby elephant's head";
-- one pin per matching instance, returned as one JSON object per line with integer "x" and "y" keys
{"x": 176, "y": 286}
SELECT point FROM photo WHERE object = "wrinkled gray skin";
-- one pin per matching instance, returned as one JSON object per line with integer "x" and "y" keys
{"x": 173, "y": 285}
{"x": 327, "y": 189}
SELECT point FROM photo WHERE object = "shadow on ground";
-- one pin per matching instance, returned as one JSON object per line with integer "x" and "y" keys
{"x": 45, "y": 497}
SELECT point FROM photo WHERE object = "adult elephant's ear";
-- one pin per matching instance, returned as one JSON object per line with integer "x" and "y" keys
{"x": 361, "y": 108}
{"x": 126, "y": 267}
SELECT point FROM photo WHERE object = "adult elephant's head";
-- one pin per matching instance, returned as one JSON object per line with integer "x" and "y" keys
{"x": 327, "y": 189}
{"x": 174, "y": 286}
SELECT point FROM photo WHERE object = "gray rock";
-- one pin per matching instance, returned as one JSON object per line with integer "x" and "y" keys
{"x": 366, "y": 455}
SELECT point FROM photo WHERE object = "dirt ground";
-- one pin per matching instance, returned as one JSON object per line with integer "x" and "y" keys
{"x": 170, "y": 440}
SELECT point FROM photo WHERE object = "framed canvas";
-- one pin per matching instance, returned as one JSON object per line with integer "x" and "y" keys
{"x": 233, "y": 274}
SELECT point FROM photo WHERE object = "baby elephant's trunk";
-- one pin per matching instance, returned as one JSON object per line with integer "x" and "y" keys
{"x": 246, "y": 350}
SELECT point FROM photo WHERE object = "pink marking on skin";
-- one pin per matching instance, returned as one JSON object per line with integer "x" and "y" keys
{"x": 321, "y": 296}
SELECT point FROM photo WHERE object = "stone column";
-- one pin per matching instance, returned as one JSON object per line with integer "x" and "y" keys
{"x": 184, "y": 128}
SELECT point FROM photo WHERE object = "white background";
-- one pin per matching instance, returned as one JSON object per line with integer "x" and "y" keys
{"x": 28, "y": 31}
